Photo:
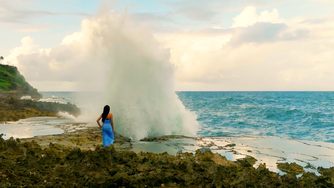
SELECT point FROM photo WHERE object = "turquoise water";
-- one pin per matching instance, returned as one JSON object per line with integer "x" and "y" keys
{"x": 298, "y": 115}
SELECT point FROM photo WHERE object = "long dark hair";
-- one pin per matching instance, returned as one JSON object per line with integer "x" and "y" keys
{"x": 106, "y": 111}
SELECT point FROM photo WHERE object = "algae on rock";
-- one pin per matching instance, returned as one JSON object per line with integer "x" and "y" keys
{"x": 28, "y": 164}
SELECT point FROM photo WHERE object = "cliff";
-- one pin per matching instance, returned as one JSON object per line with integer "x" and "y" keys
{"x": 13, "y": 86}
{"x": 12, "y": 82}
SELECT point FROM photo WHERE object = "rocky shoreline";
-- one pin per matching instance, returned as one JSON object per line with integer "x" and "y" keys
{"x": 13, "y": 108}
{"x": 76, "y": 159}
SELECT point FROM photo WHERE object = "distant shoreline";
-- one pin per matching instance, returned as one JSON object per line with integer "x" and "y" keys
{"x": 14, "y": 109}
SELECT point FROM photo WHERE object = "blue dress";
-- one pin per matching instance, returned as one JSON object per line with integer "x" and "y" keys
{"x": 107, "y": 133}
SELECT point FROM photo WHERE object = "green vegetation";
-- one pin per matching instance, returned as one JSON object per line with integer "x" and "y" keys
{"x": 12, "y": 82}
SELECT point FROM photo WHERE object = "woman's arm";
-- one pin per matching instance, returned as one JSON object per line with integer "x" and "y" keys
{"x": 112, "y": 123}
{"x": 98, "y": 121}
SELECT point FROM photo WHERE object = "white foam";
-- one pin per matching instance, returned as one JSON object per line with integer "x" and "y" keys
{"x": 26, "y": 97}
{"x": 53, "y": 99}
{"x": 66, "y": 115}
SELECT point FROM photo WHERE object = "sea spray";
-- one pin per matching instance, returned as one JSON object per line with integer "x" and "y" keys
{"x": 66, "y": 115}
{"x": 124, "y": 62}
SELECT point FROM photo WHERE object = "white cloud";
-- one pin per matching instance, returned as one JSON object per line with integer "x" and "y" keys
{"x": 18, "y": 11}
{"x": 28, "y": 46}
{"x": 249, "y": 16}
{"x": 258, "y": 33}
{"x": 263, "y": 32}
{"x": 267, "y": 53}
{"x": 290, "y": 55}
{"x": 287, "y": 65}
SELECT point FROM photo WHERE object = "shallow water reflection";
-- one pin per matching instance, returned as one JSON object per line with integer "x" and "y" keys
{"x": 35, "y": 126}
{"x": 268, "y": 150}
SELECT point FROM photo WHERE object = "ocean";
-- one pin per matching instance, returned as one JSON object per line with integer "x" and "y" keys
{"x": 295, "y": 115}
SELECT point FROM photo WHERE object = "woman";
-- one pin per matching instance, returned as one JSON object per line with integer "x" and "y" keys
{"x": 107, "y": 127}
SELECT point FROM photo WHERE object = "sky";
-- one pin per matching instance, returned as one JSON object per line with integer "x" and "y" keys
{"x": 228, "y": 45}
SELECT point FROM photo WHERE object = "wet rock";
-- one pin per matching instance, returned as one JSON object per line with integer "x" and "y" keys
{"x": 163, "y": 138}
{"x": 13, "y": 108}
{"x": 310, "y": 166}
{"x": 328, "y": 173}
{"x": 248, "y": 161}
{"x": 290, "y": 168}
{"x": 230, "y": 145}
{"x": 27, "y": 164}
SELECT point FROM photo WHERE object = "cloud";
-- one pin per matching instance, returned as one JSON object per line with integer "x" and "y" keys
{"x": 195, "y": 11}
{"x": 287, "y": 65}
{"x": 263, "y": 32}
{"x": 198, "y": 10}
{"x": 28, "y": 46}
{"x": 79, "y": 53}
{"x": 249, "y": 16}
{"x": 326, "y": 2}
{"x": 259, "y": 33}
{"x": 61, "y": 64}
{"x": 43, "y": 65}
{"x": 156, "y": 21}
{"x": 261, "y": 52}
{"x": 287, "y": 55}
{"x": 32, "y": 28}
{"x": 263, "y": 27}
{"x": 16, "y": 12}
